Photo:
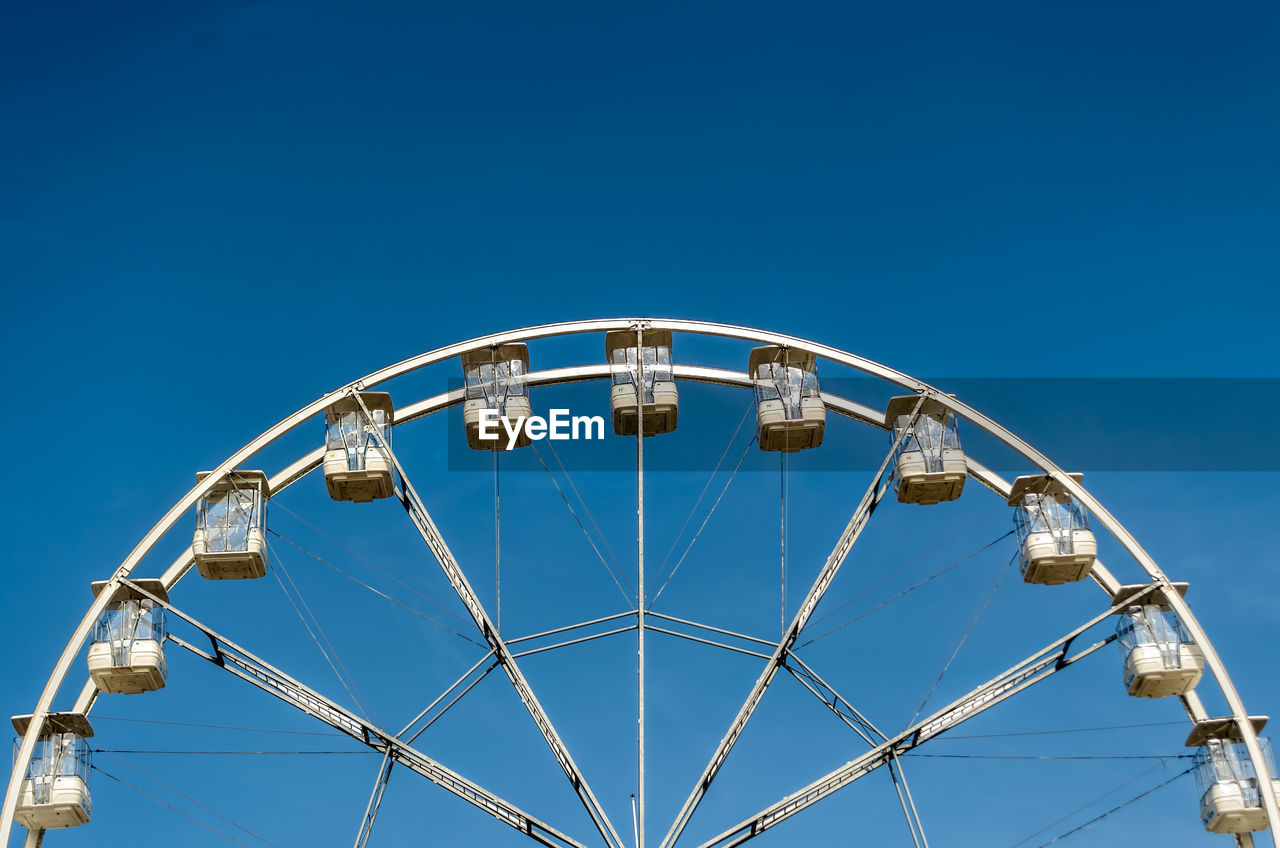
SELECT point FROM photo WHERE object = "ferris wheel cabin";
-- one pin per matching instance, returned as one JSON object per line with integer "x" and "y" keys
{"x": 930, "y": 463}
{"x": 126, "y": 654}
{"x": 659, "y": 396}
{"x": 496, "y": 383}
{"x": 1160, "y": 657}
{"x": 1230, "y": 797}
{"x": 55, "y": 790}
{"x": 357, "y": 465}
{"x": 790, "y": 414}
{"x": 1053, "y": 530}
{"x": 230, "y": 519}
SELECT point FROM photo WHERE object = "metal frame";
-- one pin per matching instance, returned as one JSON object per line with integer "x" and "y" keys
{"x": 1103, "y": 518}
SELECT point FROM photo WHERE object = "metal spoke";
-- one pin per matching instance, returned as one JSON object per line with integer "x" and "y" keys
{"x": 880, "y": 484}
{"x": 420, "y": 716}
{"x": 576, "y": 641}
{"x": 834, "y": 701}
{"x": 640, "y": 599}
{"x": 702, "y": 641}
{"x": 375, "y": 802}
{"x": 430, "y": 533}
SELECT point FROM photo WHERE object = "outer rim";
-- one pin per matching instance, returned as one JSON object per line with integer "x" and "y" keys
{"x": 295, "y": 471}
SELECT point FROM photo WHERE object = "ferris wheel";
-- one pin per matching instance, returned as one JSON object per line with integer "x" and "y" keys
{"x": 138, "y": 632}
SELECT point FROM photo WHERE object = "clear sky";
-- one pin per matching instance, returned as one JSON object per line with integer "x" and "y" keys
{"x": 212, "y": 215}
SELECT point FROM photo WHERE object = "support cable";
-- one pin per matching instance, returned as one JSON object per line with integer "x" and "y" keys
{"x": 964, "y": 635}
{"x": 1161, "y": 757}
{"x": 98, "y": 718}
{"x": 378, "y": 592}
{"x": 705, "y": 487}
{"x": 1116, "y": 809}
{"x": 497, "y": 550}
{"x": 443, "y": 608}
{"x": 950, "y": 738}
{"x": 191, "y": 752}
{"x": 903, "y": 568}
{"x": 604, "y": 540}
{"x": 590, "y": 540}
{"x": 904, "y": 592}
{"x": 1084, "y": 807}
{"x": 703, "y": 526}
{"x": 182, "y": 813}
{"x": 188, "y": 798}
{"x": 782, "y": 535}
{"x": 343, "y": 677}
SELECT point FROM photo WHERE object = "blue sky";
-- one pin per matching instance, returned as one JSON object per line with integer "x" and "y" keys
{"x": 213, "y": 216}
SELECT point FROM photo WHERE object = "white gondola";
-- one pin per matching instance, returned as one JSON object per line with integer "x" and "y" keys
{"x": 1160, "y": 657}
{"x": 930, "y": 463}
{"x": 55, "y": 790}
{"x": 496, "y": 388}
{"x": 661, "y": 399}
{"x": 790, "y": 415}
{"x": 126, "y": 655}
{"x": 357, "y": 467}
{"x": 230, "y": 520}
{"x": 1057, "y": 545}
{"x": 1229, "y": 798}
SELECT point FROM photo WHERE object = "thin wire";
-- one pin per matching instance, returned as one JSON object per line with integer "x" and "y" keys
{"x": 948, "y": 737}
{"x": 110, "y": 751}
{"x": 582, "y": 527}
{"x": 187, "y": 797}
{"x": 603, "y": 539}
{"x": 97, "y": 717}
{"x": 905, "y": 591}
{"x": 343, "y": 676}
{"x": 377, "y": 592}
{"x": 182, "y": 813}
{"x": 903, "y": 568}
{"x": 1084, "y": 807}
{"x": 964, "y": 635}
{"x": 497, "y": 547}
{"x": 1116, "y": 809}
{"x": 1160, "y": 757}
{"x": 782, "y": 536}
{"x": 366, "y": 561}
{"x": 702, "y": 526}
{"x": 706, "y": 486}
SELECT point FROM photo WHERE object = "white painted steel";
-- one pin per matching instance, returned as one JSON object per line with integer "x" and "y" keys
{"x": 300, "y": 467}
